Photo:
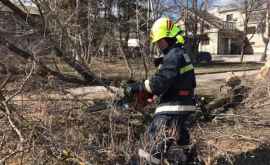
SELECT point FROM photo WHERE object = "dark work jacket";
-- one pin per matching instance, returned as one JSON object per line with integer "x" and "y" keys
{"x": 175, "y": 74}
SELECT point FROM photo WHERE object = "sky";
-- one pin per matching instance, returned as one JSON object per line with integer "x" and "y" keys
{"x": 223, "y": 2}
{"x": 213, "y": 2}
{"x": 26, "y": 2}
{"x": 174, "y": 14}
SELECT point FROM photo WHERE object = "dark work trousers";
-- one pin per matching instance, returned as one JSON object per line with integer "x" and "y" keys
{"x": 176, "y": 126}
{"x": 175, "y": 129}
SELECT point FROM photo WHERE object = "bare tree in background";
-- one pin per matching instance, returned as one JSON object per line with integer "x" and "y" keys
{"x": 53, "y": 28}
{"x": 192, "y": 13}
{"x": 76, "y": 30}
{"x": 266, "y": 36}
{"x": 249, "y": 8}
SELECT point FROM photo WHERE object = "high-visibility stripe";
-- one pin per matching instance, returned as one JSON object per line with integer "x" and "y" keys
{"x": 186, "y": 68}
{"x": 175, "y": 108}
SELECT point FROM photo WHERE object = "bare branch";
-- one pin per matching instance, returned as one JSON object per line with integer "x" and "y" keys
{"x": 3, "y": 160}
{"x": 24, "y": 82}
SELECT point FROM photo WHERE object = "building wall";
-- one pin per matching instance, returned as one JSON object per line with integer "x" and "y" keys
{"x": 238, "y": 17}
{"x": 256, "y": 40}
{"x": 257, "y": 43}
{"x": 212, "y": 46}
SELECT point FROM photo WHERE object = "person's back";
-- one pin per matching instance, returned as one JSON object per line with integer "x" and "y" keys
{"x": 173, "y": 83}
{"x": 180, "y": 88}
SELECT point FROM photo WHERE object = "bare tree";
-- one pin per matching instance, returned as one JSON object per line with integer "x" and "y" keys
{"x": 193, "y": 16}
{"x": 249, "y": 9}
{"x": 266, "y": 36}
{"x": 51, "y": 27}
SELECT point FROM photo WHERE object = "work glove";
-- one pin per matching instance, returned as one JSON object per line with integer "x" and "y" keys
{"x": 134, "y": 88}
{"x": 158, "y": 61}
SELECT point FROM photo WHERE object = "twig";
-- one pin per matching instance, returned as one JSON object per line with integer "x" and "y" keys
{"x": 246, "y": 137}
{"x": 7, "y": 109}
{"x": 130, "y": 70}
{"x": 23, "y": 83}
{"x": 2, "y": 142}
{"x": 3, "y": 160}
{"x": 12, "y": 124}
{"x": 4, "y": 83}
{"x": 231, "y": 115}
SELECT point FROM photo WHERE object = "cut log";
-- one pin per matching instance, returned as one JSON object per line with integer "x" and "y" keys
{"x": 148, "y": 157}
{"x": 264, "y": 73}
{"x": 217, "y": 103}
{"x": 232, "y": 80}
{"x": 82, "y": 93}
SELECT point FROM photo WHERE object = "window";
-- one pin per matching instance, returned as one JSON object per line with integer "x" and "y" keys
{"x": 205, "y": 42}
{"x": 207, "y": 27}
{"x": 229, "y": 17}
{"x": 251, "y": 30}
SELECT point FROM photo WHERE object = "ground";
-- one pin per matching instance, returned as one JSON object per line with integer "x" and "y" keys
{"x": 240, "y": 134}
{"x": 59, "y": 130}
{"x": 115, "y": 68}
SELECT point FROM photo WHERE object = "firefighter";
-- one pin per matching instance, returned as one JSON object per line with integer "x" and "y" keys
{"x": 173, "y": 83}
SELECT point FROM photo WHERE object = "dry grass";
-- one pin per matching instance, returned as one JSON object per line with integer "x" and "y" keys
{"x": 60, "y": 131}
{"x": 239, "y": 131}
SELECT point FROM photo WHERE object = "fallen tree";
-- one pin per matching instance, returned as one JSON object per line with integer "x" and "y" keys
{"x": 46, "y": 71}
{"x": 239, "y": 133}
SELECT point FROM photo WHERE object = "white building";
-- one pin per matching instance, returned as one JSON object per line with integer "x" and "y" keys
{"x": 224, "y": 28}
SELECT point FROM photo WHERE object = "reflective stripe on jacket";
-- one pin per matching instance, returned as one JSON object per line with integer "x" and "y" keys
{"x": 175, "y": 74}
{"x": 172, "y": 109}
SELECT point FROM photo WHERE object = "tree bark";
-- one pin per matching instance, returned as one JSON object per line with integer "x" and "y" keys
{"x": 264, "y": 55}
{"x": 245, "y": 31}
{"x": 267, "y": 28}
{"x": 243, "y": 51}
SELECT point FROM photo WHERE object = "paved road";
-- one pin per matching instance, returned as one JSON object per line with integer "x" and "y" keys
{"x": 222, "y": 76}
{"x": 236, "y": 58}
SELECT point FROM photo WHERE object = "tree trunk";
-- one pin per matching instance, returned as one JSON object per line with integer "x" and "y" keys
{"x": 244, "y": 40}
{"x": 206, "y": 5}
{"x": 195, "y": 38}
{"x": 264, "y": 55}
{"x": 242, "y": 51}
{"x": 266, "y": 39}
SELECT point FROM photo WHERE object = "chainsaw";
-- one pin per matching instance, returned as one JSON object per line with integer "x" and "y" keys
{"x": 142, "y": 99}
{"x": 137, "y": 101}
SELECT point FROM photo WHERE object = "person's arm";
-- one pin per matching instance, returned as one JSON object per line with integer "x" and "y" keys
{"x": 165, "y": 76}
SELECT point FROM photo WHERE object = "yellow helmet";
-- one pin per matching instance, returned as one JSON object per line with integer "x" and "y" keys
{"x": 164, "y": 27}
